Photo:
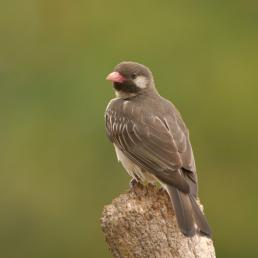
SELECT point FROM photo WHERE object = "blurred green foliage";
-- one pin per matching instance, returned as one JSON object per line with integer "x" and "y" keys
{"x": 57, "y": 167}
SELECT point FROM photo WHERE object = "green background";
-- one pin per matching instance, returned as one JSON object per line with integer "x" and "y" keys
{"x": 57, "y": 168}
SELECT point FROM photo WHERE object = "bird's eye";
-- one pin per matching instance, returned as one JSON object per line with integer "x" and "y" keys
{"x": 134, "y": 75}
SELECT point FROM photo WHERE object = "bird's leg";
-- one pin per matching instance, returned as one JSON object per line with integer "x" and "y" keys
{"x": 136, "y": 186}
{"x": 133, "y": 183}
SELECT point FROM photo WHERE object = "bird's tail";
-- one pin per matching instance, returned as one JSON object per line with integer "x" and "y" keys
{"x": 190, "y": 218}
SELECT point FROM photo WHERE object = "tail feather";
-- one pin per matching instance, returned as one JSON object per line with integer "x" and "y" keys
{"x": 189, "y": 216}
{"x": 200, "y": 218}
{"x": 183, "y": 210}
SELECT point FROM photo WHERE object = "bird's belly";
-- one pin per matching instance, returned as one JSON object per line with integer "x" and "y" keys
{"x": 134, "y": 170}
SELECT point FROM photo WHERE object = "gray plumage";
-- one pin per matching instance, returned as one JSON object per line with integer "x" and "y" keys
{"x": 152, "y": 142}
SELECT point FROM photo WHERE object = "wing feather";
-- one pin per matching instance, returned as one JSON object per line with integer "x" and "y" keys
{"x": 148, "y": 144}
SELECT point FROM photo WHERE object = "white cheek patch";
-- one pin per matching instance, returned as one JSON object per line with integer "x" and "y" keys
{"x": 140, "y": 81}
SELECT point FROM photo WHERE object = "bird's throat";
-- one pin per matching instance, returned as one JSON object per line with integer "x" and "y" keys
{"x": 127, "y": 87}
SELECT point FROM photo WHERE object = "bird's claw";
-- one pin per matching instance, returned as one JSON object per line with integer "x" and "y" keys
{"x": 133, "y": 183}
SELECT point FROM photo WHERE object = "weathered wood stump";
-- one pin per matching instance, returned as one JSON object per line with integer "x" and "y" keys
{"x": 141, "y": 223}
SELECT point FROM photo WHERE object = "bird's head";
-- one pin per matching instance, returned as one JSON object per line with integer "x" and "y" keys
{"x": 130, "y": 79}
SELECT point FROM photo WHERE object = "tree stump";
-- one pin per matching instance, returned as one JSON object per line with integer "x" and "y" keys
{"x": 141, "y": 224}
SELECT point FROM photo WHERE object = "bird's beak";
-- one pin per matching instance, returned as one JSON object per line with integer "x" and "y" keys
{"x": 115, "y": 77}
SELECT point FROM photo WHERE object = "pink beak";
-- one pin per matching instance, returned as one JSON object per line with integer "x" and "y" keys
{"x": 115, "y": 77}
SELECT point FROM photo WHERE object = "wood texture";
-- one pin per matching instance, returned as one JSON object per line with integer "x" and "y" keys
{"x": 141, "y": 223}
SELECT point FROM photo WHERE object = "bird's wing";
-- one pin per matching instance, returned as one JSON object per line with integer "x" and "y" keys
{"x": 147, "y": 141}
{"x": 178, "y": 129}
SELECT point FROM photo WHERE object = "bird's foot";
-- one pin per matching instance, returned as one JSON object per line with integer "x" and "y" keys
{"x": 137, "y": 187}
{"x": 133, "y": 183}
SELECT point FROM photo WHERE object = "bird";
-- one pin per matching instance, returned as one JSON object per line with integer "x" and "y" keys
{"x": 152, "y": 142}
